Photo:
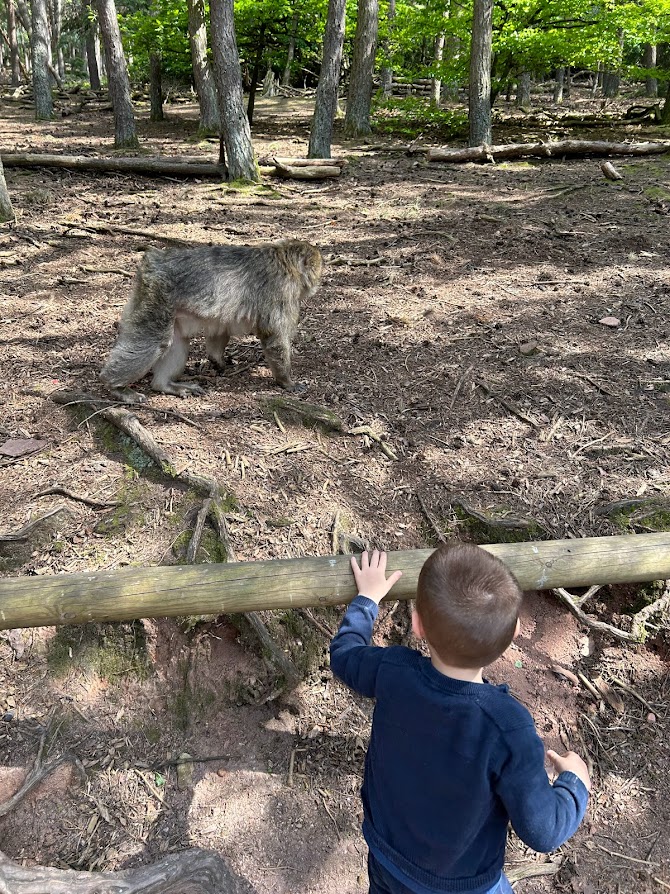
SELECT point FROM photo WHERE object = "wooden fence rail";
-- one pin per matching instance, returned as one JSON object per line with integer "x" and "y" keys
{"x": 166, "y": 591}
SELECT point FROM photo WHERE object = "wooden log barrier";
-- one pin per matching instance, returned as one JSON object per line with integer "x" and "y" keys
{"x": 166, "y": 591}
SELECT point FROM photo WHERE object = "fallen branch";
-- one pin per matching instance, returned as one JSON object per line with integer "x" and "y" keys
{"x": 567, "y": 600}
{"x": 640, "y": 618}
{"x": 531, "y": 870}
{"x": 507, "y": 404}
{"x": 157, "y": 166}
{"x": 555, "y": 149}
{"x": 273, "y": 160}
{"x": 87, "y": 501}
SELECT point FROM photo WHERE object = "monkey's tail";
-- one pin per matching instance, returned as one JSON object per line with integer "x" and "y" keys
{"x": 129, "y": 362}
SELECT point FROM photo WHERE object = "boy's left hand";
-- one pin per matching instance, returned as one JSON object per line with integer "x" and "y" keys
{"x": 371, "y": 576}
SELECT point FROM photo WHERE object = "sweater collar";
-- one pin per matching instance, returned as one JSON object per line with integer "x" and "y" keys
{"x": 457, "y": 687}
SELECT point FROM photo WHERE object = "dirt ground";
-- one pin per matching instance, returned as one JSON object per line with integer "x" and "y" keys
{"x": 461, "y": 318}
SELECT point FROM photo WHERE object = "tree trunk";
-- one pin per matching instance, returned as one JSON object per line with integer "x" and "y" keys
{"x": 480, "y": 73}
{"x": 436, "y": 83}
{"x": 242, "y": 164}
{"x": 156, "y": 87}
{"x": 649, "y": 62}
{"x": 567, "y": 87}
{"x": 125, "y": 136}
{"x": 56, "y": 18}
{"x": 523, "y": 90}
{"x": 13, "y": 44}
{"x": 359, "y": 101}
{"x": 559, "y": 85}
{"x": 290, "y": 53}
{"x": 255, "y": 74}
{"x": 210, "y": 120}
{"x": 325, "y": 105}
{"x": 6, "y": 210}
{"x": 92, "y": 48}
{"x": 612, "y": 78}
{"x": 39, "y": 46}
{"x": 387, "y": 71}
{"x": 24, "y": 16}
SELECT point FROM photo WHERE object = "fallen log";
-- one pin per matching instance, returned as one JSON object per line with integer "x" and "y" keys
{"x": 315, "y": 172}
{"x": 273, "y": 160}
{"x": 299, "y": 583}
{"x": 151, "y": 165}
{"x": 555, "y": 149}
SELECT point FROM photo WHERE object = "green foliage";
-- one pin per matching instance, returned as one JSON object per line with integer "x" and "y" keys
{"x": 415, "y": 116}
{"x": 157, "y": 26}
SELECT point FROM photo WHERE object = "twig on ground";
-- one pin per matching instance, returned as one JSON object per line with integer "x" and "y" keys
{"x": 507, "y": 404}
{"x": 568, "y": 600}
{"x": 430, "y": 519}
{"x": 531, "y": 870}
{"x": 458, "y": 387}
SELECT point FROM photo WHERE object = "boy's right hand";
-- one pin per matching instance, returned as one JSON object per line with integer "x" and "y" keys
{"x": 371, "y": 576}
{"x": 572, "y": 763}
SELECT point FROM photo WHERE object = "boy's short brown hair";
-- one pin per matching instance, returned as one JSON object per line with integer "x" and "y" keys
{"x": 468, "y": 602}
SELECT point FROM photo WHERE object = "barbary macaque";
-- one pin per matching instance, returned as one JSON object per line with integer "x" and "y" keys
{"x": 220, "y": 290}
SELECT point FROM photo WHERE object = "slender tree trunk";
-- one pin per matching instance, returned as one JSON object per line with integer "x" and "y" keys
{"x": 567, "y": 86}
{"x": 359, "y": 101}
{"x": 13, "y": 44}
{"x": 24, "y": 16}
{"x": 649, "y": 62}
{"x": 436, "y": 84}
{"x": 56, "y": 18}
{"x": 156, "y": 87}
{"x": 125, "y": 136}
{"x": 612, "y": 78}
{"x": 241, "y": 161}
{"x": 93, "y": 54}
{"x": 480, "y": 73}
{"x": 559, "y": 85}
{"x": 387, "y": 71}
{"x": 210, "y": 120}
{"x": 6, "y": 210}
{"x": 255, "y": 73}
{"x": 290, "y": 53}
{"x": 39, "y": 45}
{"x": 325, "y": 105}
{"x": 523, "y": 90}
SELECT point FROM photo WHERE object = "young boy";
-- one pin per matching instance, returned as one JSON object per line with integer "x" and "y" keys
{"x": 452, "y": 759}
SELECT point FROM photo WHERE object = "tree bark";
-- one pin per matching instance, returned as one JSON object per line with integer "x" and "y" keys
{"x": 290, "y": 52}
{"x": 15, "y": 61}
{"x": 242, "y": 164}
{"x": 169, "y": 591}
{"x": 559, "y": 85}
{"x": 543, "y": 150}
{"x": 260, "y": 48}
{"x": 156, "y": 87}
{"x": 665, "y": 111}
{"x": 387, "y": 70}
{"x": 523, "y": 90}
{"x": 153, "y": 167}
{"x": 55, "y": 21}
{"x": 480, "y": 73}
{"x": 39, "y": 45}
{"x": 359, "y": 100}
{"x": 325, "y": 105}
{"x": 649, "y": 62}
{"x": 92, "y": 48}
{"x": 436, "y": 83}
{"x": 125, "y": 136}
{"x": 210, "y": 119}
{"x": 6, "y": 210}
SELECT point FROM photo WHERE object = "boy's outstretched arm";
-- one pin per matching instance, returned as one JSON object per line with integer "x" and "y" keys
{"x": 352, "y": 658}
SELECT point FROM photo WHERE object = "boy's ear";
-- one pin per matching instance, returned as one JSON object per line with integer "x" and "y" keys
{"x": 417, "y": 626}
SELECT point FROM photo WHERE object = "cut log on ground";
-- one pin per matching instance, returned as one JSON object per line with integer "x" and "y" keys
{"x": 315, "y": 172}
{"x": 298, "y": 583}
{"x": 302, "y": 162}
{"x": 543, "y": 150}
{"x": 152, "y": 166}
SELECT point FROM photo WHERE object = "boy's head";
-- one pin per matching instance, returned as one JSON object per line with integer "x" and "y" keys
{"x": 468, "y": 604}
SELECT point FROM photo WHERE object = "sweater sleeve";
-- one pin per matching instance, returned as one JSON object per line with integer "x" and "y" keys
{"x": 352, "y": 659}
{"x": 543, "y": 815}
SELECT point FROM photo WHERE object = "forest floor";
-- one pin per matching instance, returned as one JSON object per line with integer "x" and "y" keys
{"x": 502, "y": 328}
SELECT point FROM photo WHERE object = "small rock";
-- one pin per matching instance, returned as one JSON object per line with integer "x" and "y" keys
{"x": 612, "y": 322}
{"x": 528, "y": 348}
{"x": 185, "y": 771}
{"x": 651, "y": 718}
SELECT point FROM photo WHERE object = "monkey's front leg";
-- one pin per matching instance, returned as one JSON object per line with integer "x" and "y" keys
{"x": 170, "y": 366}
{"x": 277, "y": 350}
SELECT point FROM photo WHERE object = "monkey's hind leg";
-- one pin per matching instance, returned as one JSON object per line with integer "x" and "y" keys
{"x": 129, "y": 361}
{"x": 216, "y": 348}
{"x": 170, "y": 366}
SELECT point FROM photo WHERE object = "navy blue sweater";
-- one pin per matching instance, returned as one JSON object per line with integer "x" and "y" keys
{"x": 449, "y": 764}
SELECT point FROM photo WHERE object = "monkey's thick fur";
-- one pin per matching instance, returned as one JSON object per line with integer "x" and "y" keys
{"x": 221, "y": 290}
